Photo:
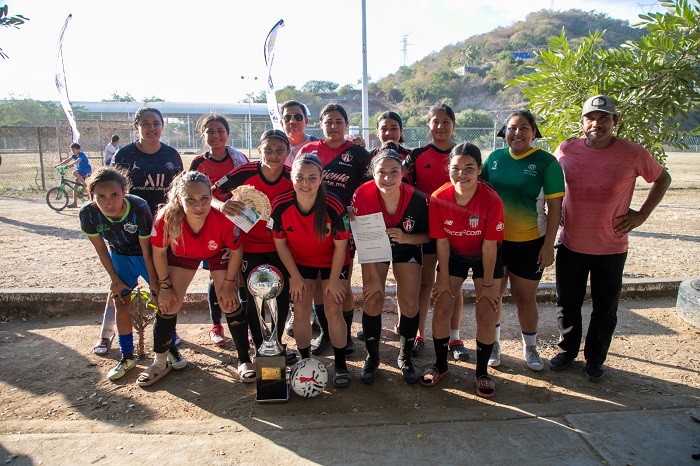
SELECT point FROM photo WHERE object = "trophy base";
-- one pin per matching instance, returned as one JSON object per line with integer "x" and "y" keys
{"x": 272, "y": 386}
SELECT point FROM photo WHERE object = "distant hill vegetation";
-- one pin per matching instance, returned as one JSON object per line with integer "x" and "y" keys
{"x": 472, "y": 74}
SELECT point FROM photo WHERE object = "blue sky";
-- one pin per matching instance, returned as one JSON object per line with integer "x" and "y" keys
{"x": 198, "y": 51}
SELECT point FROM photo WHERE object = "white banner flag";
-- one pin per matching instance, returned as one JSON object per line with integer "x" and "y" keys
{"x": 270, "y": 89}
{"x": 61, "y": 84}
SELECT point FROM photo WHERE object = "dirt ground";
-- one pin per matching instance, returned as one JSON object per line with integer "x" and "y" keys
{"x": 48, "y": 371}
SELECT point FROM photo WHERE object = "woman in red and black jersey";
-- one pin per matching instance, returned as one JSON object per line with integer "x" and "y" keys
{"x": 271, "y": 177}
{"x": 405, "y": 212}
{"x": 185, "y": 232}
{"x": 311, "y": 230}
{"x": 344, "y": 170}
{"x": 426, "y": 169}
{"x": 390, "y": 129}
{"x": 466, "y": 219}
{"x": 215, "y": 163}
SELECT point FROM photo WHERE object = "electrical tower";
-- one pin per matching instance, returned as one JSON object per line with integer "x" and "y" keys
{"x": 404, "y": 47}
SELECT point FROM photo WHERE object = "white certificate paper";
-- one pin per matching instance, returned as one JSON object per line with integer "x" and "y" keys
{"x": 371, "y": 240}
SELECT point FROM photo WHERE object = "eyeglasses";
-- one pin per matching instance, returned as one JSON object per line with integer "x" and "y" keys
{"x": 296, "y": 116}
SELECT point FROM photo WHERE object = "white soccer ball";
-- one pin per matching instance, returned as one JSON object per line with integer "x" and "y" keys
{"x": 308, "y": 378}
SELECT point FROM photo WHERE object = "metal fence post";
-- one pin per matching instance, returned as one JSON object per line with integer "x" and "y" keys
{"x": 41, "y": 159}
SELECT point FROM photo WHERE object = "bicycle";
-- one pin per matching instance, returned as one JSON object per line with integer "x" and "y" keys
{"x": 58, "y": 197}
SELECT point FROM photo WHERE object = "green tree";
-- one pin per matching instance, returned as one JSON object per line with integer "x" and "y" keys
{"x": 654, "y": 79}
{"x": 152, "y": 99}
{"x": 470, "y": 118}
{"x": 120, "y": 98}
{"x": 319, "y": 87}
{"x": 29, "y": 112}
{"x": 11, "y": 22}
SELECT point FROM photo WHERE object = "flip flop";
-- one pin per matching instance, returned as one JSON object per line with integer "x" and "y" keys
{"x": 246, "y": 372}
{"x": 103, "y": 346}
{"x": 485, "y": 387}
{"x": 152, "y": 374}
{"x": 431, "y": 376}
{"x": 342, "y": 378}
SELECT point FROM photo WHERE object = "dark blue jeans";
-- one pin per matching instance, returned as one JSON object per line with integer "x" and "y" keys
{"x": 573, "y": 269}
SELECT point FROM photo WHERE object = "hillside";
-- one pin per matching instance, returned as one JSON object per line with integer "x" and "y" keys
{"x": 472, "y": 74}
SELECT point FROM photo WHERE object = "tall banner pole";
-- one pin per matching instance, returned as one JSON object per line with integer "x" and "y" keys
{"x": 62, "y": 86}
{"x": 269, "y": 51}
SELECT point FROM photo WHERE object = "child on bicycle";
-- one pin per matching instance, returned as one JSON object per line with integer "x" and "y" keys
{"x": 81, "y": 172}
{"x": 119, "y": 227}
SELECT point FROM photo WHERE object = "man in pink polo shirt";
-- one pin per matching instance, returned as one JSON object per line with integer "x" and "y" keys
{"x": 600, "y": 171}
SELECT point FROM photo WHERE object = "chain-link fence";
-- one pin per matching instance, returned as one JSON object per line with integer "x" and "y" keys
{"x": 29, "y": 153}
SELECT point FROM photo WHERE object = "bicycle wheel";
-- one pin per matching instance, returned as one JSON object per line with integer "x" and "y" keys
{"x": 57, "y": 198}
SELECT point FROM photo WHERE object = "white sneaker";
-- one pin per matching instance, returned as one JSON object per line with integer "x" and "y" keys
{"x": 176, "y": 359}
{"x": 118, "y": 371}
{"x": 495, "y": 358}
{"x": 532, "y": 358}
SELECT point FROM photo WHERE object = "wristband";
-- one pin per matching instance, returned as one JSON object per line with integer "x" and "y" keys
{"x": 229, "y": 279}
{"x": 160, "y": 282}
{"x": 487, "y": 286}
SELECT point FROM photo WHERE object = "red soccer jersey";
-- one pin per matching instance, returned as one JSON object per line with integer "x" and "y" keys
{"x": 426, "y": 168}
{"x": 218, "y": 232}
{"x": 217, "y": 169}
{"x": 466, "y": 227}
{"x": 403, "y": 152}
{"x": 344, "y": 168}
{"x": 286, "y": 221}
{"x": 258, "y": 239}
{"x": 411, "y": 215}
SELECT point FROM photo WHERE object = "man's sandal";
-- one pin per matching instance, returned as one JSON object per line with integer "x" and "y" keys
{"x": 485, "y": 387}
{"x": 246, "y": 372}
{"x": 431, "y": 376}
{"x": 152, "y": 374}
{"x": 103, "y": 345}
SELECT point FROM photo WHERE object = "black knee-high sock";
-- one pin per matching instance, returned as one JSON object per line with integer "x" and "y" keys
{"x": 238, "y": 326}
{"x": 483, "y": 353}
{"x": 321, "y": 315}
{"x": 214, "y": 308}
{"x": 408, "y": 329}
{"x": 372, "y": 328}
{"x": 339, "y": 354}
{"x": 441, "y": 353}
{"x": 163, "y": 329}
{"x": 254, "y": 322}
{"x": 347, "y": 316}
{"x": 305, "y": 352}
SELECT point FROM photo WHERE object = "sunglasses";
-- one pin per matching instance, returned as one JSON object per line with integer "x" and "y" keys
{"x": 296, "y": 116}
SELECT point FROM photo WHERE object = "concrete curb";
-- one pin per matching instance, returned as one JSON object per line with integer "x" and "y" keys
{"x": 53, "y": 301}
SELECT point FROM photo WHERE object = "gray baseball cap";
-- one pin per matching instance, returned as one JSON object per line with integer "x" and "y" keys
{"x": 599, "y": 103}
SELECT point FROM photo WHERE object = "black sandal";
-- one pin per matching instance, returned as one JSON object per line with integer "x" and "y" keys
{"x": 342, "y": 378}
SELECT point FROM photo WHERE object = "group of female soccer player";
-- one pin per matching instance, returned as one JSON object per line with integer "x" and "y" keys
{"x": 436, "y": 208}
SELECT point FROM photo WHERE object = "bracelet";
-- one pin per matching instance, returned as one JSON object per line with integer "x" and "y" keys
{"x": 160, "y": 282}
{"x": 229, "y": 279}
{"x": 166, "y": 286}
{"x": 487, "y": 286}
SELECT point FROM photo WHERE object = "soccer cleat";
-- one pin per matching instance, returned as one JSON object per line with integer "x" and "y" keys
{"x": 495, "y": 358}
{"x": 122, "y": 367}
{"x": 459, "y": 352}
{"x": 289, "y": 328}
{"x": 216, "y": 334}
{"x": 320, "y": 344}
{"x": 418, "y": 346}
